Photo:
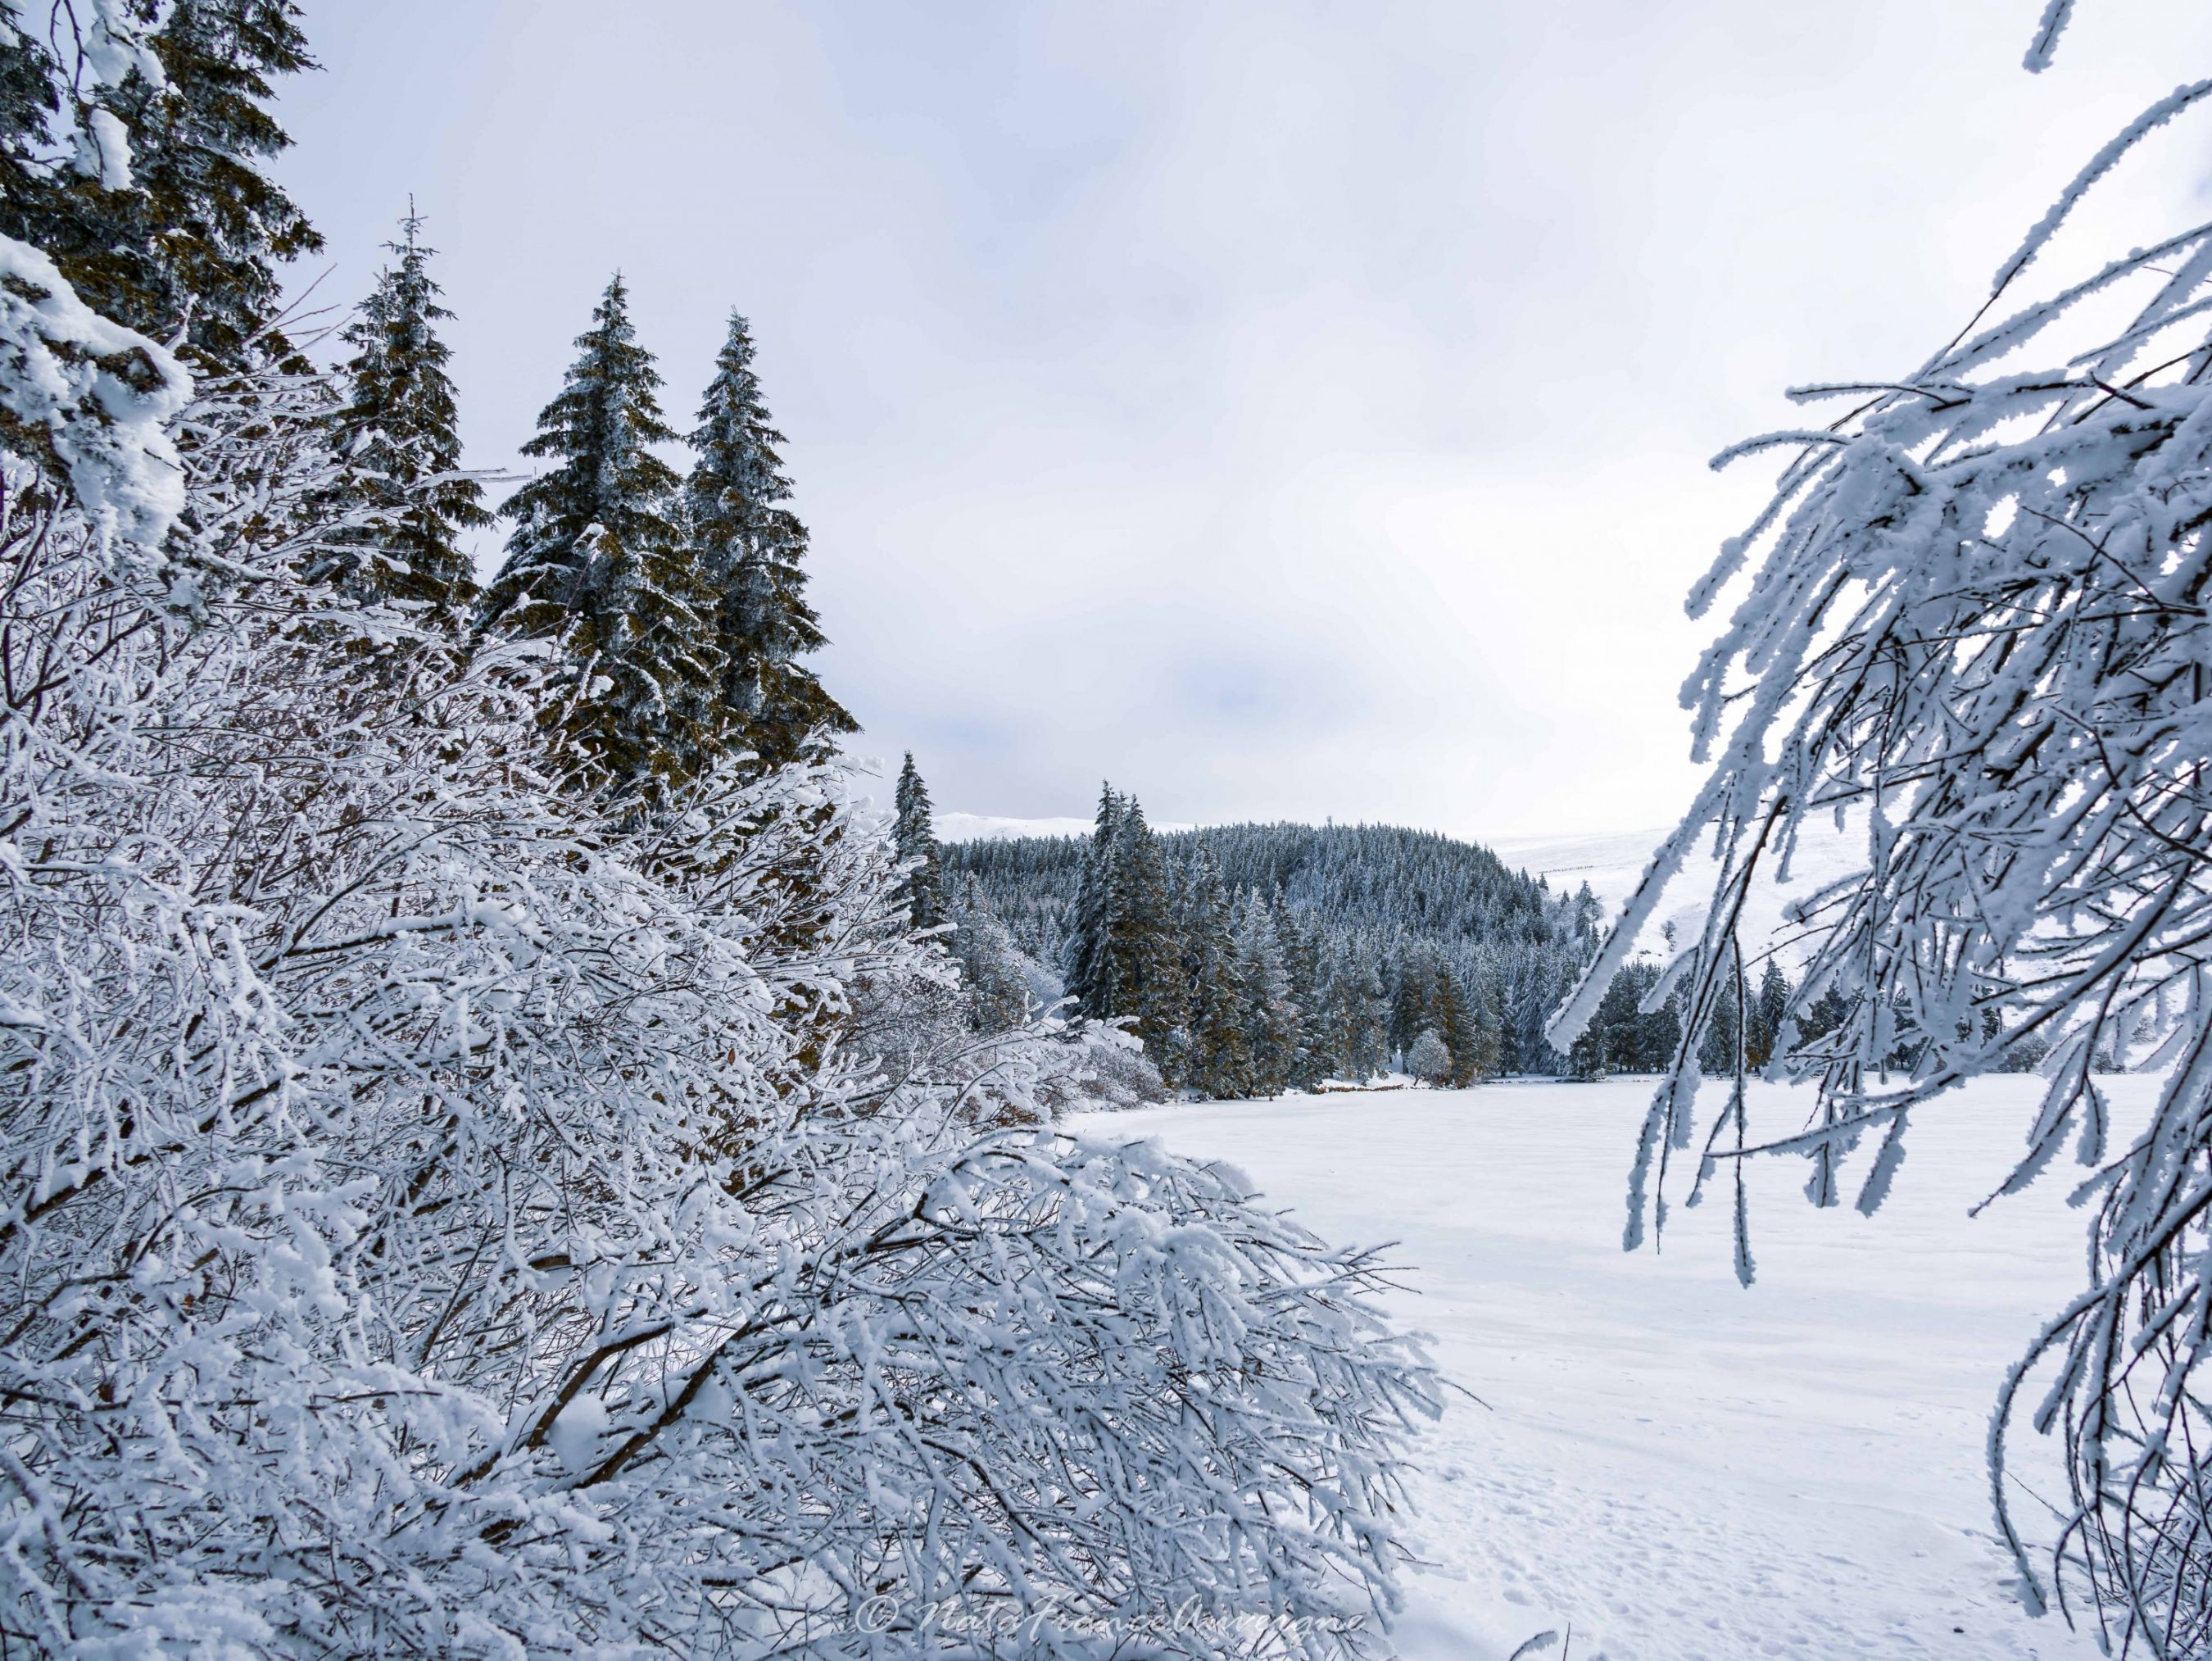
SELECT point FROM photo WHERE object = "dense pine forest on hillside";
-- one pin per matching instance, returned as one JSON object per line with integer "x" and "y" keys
{"x": 1252, "y": 959}
{"x": 1341, "y": 944}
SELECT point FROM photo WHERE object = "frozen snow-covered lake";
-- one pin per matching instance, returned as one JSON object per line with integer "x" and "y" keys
{"x": 1685, "y": 1470}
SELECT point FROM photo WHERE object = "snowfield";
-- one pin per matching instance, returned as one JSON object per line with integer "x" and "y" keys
{"x": 1683, "y": 1469}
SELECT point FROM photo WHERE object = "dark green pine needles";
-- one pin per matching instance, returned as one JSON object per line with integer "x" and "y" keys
{"x": 1123, "y": 955}
{"x": 596, "y": 558}
{"x": 748, "y": 547}
{"x": 402, "y": 437}
{"x": 188, "y": 241}
{"x": 682, "y": 603}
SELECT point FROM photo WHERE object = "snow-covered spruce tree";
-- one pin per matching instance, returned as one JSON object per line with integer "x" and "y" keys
{"x": 1765, "y": 1015}
{"x": 1001, "y": 986}
{"x": 1487, "y": 1035}
{"x": 914, "y": 836}
{"x": 1089, "y": 967}
{"x": 596, "y": 565}
{"x": 1141, "y": 939}
{"x": 1454, "y": 1027}
{"x": 431, "y": 1225}
{"x": 1271, "y": 1019}
{"x": 1219, "y": 1062}
{"x": 146, "y": 126}
{"x": 1313, "y": 1060}
{"x": 1352, "y": 997}
{"x": 1974, "y": 622}
{"x": 750, "y": 550}
{"x": 402, "y": 435}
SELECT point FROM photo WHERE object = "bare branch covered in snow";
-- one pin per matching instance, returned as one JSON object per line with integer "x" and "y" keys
{"x": 438, "y": 1218}
{"x": 1975, "y": 627}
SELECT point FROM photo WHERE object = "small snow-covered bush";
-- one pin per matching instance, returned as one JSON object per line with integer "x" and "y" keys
{"x": 1121, "y": 1075}
{"x": 1428, "y": 1060}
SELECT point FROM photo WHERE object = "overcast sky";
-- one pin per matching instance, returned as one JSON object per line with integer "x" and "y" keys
{"x": 1284, "y": 409}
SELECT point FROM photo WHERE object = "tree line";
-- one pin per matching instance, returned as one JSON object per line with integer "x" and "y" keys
{"x": 678, "y": 600}
{"x": 1255, "y": 958}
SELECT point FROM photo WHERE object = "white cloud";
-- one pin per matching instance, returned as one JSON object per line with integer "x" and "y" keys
{"x": 1283, "y": 409}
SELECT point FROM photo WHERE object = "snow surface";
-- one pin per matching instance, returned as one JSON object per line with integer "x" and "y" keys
{"x": 1684, "y": 1470}
{"x": 1609, "y": 861}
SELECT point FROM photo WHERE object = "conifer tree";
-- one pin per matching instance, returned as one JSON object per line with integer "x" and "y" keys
{"x": 594, "y": 558}
{"x": 1090, "y": 965}
{"x": 1220, "y": 1065}
{"x": 1717, "y": 1045}
{"x": 1625, "y": 1039}
{"x": 1270, "y": 1018}
{"x": 1311, "y": 1053}
{"x": 995, "y": 975}
{"x": 1409, "y": 1001}
{"x": 31, "y": 121}
{"x": 913, "y": 833}
{"x": 1455, "y": 1026}
{"x": 749, "y": 549}
{"x": 403, "y": 438}
{"x": 1147, "y": 961}
{"x": 1487, "y": 1037}
{"x": 1368, "y": 1012}
{"x": 1588, "y": 923}
{"x": 1332, "y": 1032}
{"x": 1827, "y": 1014}
{"x": 1769, "y": 1009}
{"x": 185, "y": 237}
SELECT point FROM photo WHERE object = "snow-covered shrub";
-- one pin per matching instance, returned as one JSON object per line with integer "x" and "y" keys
{"x": 1119, "y": 1074}
{"x": 1428, "y": 1060}
{"x": 1977, "y": 629}
{"x": 438, "y": 1219}
{"x": 1004, "y": 986}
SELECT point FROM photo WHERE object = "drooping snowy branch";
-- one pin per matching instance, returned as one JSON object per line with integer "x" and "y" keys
{"x": 1974, "y": 626}
{"x": 90, "y": 398}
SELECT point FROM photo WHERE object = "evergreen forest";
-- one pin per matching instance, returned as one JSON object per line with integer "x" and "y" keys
{"x": 1255, "y": 958}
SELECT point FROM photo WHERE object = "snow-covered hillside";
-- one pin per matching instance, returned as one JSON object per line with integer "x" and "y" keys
{"x": 1611, "y": 863}
{"x": 1683, "y": 1469}
{"x": 989, "y": 827}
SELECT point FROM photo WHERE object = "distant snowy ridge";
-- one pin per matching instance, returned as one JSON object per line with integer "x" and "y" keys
{"x": 1609, "y": 861}
{"x": 1613, "y": 863}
